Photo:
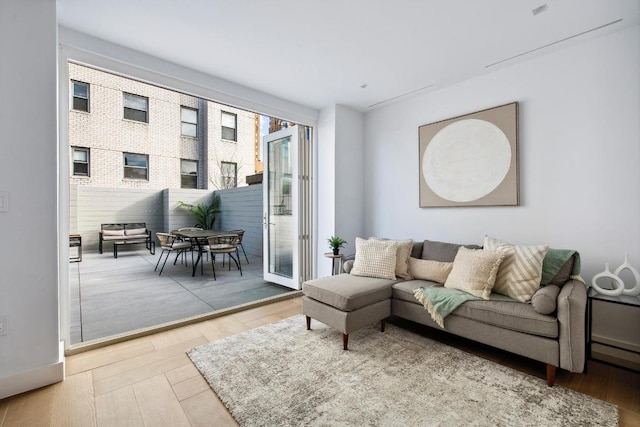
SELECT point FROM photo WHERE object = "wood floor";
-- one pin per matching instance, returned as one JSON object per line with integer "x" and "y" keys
{"x": 150, "y": 381}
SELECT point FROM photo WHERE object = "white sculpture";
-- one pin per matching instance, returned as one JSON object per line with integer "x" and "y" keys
{"x": 635, "y": 290}
{"x": 619, "y": 284}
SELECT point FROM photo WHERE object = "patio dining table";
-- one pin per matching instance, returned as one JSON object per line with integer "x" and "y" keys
{"x": 200, "y": 236}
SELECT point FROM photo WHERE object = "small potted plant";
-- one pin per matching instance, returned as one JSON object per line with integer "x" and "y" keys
{"x": 335, "y": 243}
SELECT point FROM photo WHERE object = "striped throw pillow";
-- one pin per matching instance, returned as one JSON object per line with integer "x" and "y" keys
{"x": 520, "y": 273}
{"x": 375, "y": 258}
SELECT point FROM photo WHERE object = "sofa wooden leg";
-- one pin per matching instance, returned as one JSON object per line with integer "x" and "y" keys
{"x": 382, "y": 324}
{"x": 551, "y": 375}
{"x": 308, "y": 323}
{"x": 345, "y": 341}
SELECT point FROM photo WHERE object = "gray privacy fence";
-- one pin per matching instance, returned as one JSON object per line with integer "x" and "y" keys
{"x": 159, "y": 209}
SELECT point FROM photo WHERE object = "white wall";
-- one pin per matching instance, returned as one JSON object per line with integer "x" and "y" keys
{"x": 340, "y": 209}
{"x": 579, "y": 150}
{"x": 29, "y": 354}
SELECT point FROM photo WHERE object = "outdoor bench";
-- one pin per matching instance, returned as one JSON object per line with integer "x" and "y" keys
{"x": 126, "y": 234}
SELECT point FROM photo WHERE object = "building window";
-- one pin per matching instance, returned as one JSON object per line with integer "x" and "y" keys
{"x": 80, "y": 100}
{"x": 229, "y": 172}
{"x": 136, "y": 107}
{"x": 80, "y": 161}
{"x": 229, "y": 121}
{"x": 189, "y": 119}
{"x": 136, "y": 166}
{"x": 188, "y": 174}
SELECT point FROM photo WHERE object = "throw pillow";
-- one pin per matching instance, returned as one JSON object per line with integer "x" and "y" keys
{"x": 544, "y": 300}
{"x": 520, "y": 272}
{"x": 375, "y": 258}
{"x": 135, "y": 231}
{"x": 434, "y": 271}
{"x": 402, "y": 258}
{"x": 474, "y": 271}
{"x": 113, "y": 232}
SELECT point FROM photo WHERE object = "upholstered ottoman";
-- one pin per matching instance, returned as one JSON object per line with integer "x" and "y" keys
{"x": 347, "y": 303}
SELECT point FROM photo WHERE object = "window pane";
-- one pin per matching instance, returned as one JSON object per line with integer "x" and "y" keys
{"x": 189, "y": 130}
{"x": 228, "y": 133}
{"x": 136, "y": 102}
{"x": 135, "y": 173}
{"x": 81, "y": 169}
{"x": 139, "y": 160}
{"x": 80, "y": 155}
{"x": 189, "y": 181}
{"x": 80, "y": 104}
{"x": 228, "y": 120}
{"x": 188, "y": 167}
{"x": 131, "y": 114}
{"x": 188, "y": 115}
{"x": 80, "y": 90}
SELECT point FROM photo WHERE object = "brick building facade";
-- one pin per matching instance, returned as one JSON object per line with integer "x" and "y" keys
{"x": 127, "y": 134}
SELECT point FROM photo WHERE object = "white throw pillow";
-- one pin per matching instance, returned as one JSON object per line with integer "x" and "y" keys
{"x": 520, "y": 273}
{"x": 474, "y": 271}
{"x": 375, "y": 258}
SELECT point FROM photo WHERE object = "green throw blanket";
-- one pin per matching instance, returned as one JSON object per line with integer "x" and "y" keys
{"x": 440, "y": 301}
{"x": 553, "y": 262}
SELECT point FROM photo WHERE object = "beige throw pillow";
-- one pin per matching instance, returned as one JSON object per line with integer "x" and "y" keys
{"x": 434, "y": 271}
{"x": 474, "y": 271}
{"x": 402, "y": 258}
{"x": 520, "y": 273}
{"x": 375, "y": 258}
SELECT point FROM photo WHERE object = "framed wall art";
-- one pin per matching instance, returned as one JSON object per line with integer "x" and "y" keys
{"x": 471, "y": 160}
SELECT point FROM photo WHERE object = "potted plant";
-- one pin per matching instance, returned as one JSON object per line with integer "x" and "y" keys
{"x": 335, "y": 243}
{"x": 206, "y": 214}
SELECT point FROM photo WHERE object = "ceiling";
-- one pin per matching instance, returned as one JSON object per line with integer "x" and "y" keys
{"x": 323, "y": 52}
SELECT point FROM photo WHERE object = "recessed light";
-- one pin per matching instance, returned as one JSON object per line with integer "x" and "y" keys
{"x": 538, "y": 10}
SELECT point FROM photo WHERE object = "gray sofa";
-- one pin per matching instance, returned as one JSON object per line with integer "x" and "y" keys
{"x": 348, "y": 302}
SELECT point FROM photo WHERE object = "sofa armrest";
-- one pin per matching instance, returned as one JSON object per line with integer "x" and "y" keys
{"x": 572, "y": 304}
{"x": 347, "y": 263}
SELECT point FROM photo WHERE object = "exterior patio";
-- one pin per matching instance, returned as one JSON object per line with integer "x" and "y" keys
{"x": 110, "y": 297}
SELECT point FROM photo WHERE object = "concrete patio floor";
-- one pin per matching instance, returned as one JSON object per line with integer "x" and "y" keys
{"x": 110, "y": 296}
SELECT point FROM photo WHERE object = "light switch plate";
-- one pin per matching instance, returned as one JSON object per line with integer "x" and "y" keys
{"x": 4, "y": 201}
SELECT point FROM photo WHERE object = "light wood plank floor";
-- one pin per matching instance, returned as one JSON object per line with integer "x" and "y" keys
{"x": 150, "y": 381}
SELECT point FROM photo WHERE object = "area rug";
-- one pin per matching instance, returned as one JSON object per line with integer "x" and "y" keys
{"x": 283, "y": 375}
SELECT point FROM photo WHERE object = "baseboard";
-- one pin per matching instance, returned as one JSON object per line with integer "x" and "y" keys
{"x": 616, "y": 352}
{"x": 35, "y": 378}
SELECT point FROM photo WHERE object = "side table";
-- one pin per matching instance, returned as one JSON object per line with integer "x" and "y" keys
{"x": 628, "y": 300}
{"x": 335, "y": 258}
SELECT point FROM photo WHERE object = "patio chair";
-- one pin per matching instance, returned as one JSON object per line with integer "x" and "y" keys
{"x": 225, "y": 245}
{"x": 169, "y": 243}
{"x": 240, "y": 234}
{"x": 194, "y": 244}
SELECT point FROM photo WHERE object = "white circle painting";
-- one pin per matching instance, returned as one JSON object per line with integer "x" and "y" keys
{"x": 466, "y": 160}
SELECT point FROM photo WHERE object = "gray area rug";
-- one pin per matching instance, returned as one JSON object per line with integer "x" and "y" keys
{"x": 283, "y": 375}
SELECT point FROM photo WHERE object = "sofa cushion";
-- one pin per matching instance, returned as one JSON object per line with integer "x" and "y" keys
{"x": 520, "y": 273}
{"x": 135, "y": 231}
{"x": 347, "y": 292}
{"x": 375, "y": 258}
{"x": 441, "y": 251}
{"x": 106, "y": 233}
{"x": 474, "y": 271}
{"x": 426, "y": 269}
{"x": 512, "y": 315}
{"x": 545, "y": 299}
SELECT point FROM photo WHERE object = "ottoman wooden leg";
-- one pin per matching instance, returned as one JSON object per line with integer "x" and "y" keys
{"x": 345, "y": 341}
{"x": 382, "y": 323}
{"x": 308, "y": 323}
